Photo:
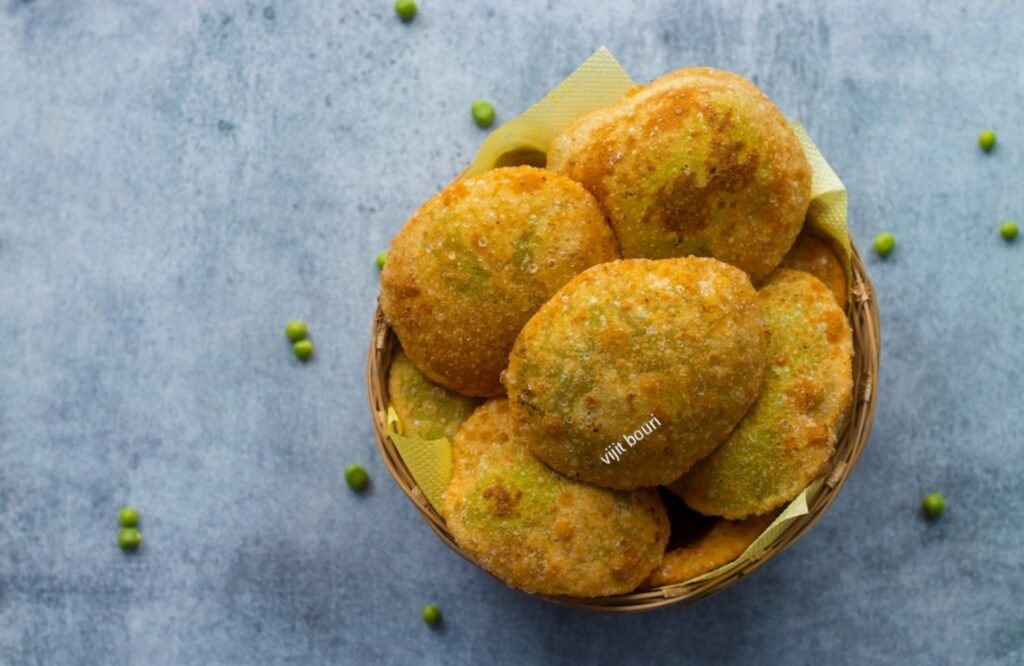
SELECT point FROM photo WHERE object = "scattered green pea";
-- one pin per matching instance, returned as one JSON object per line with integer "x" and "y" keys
{"x": 406, "y": 9}
{"x": 356, "y": 477}
{"x": 381, "y": 258}
{"x": 296, "y": 330}
{"x": 128, "y": 517}
{"x": 1008, "y": 230}
{"x": 483, "y": 113}
{"x": 432, "y": 614}
{"x": 884, "y": 244}
{"x": 303, "y": 349}
{"x": 933, "y": 504}
{"x": 987, "y": 140}
{"x": 129, "y": 538}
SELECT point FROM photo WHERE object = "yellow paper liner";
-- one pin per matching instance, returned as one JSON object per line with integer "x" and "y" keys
{"x": 600, "y": 81}
{"x": 827, "y": 213}
{"x": 429, "y": 460}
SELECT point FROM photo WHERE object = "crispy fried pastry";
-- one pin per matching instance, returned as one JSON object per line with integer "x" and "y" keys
{"x": 636, "y": 369}
{"x": 786, "y": 440}
{"x": 698, "y": 162}
{"x": 539, "y": 531}
{"x": 477, "y": 260}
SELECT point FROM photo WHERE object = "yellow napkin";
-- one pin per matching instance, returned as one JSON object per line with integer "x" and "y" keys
{"x": 428, "y": 460}
{"x": 598, "y": 82}
{"x": 827, "y": 214}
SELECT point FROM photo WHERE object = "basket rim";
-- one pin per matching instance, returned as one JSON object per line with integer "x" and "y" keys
{"x": 863, "y": 316}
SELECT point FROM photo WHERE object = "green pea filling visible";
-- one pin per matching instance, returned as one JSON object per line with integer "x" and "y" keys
{"x": 470, "y": 275}
{"x": 513, "y": 498}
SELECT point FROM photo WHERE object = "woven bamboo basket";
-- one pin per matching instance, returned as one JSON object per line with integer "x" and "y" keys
{"x": 863, "y": 317}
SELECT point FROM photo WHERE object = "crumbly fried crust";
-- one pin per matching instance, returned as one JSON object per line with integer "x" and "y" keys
{"x": 539, "y": 531}
{"x": 477, "y": 260}
{"x": 698, "y": 162}
{"x": 677, "y": 340}
{"x": 723, "y": 543}
{"x": 785, "y": 441}
{"x": 814, "y": 256}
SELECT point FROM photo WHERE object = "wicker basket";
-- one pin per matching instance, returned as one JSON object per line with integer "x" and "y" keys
{"x": 863, "y": 318}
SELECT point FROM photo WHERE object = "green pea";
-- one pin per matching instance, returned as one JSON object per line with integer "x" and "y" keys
{"x": 933, "y": 504}
{"x": 296, "y": 330}
{"x": 303, "y": 349}
{"x": 432, "y": 614}
{"x": 356, "y": 477}
{"x": 129, "y": 538}
{"x": 128, "y": 517}
{"x": 483, "y": 113}
{"x": 884, "y": 244}
{"x": 987, "y": 140}
{"x": 1008, "y": 230}
{"x": 406, "y": 9}
{"x": 381, "y": 258}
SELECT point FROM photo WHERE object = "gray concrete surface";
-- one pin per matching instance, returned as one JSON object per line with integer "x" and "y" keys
{"x": 179, "y": 179}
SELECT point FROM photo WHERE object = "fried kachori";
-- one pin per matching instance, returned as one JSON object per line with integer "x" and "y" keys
{"x": 813, "y": 255}
{"x": 477, "y": 260}
{"x": 786, "y": 440}
{"x": 539, "y": 531}
{"x": 698, "y": 162}
{"x": 638, "y": 368}
{"x": 710, "y": 547}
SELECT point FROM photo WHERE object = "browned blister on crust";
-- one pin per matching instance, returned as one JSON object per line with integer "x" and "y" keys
{"x": 539, "y": 531}
{"x": 671, "y": 350}
{"x": 789, "y": 435}
{"x": 698, "y": 162}
{"x": 477, "y": 260}
{"x": 814, "y": 256}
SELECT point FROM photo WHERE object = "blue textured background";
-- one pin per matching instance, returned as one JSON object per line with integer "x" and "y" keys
{"x": 179, "y": 179}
